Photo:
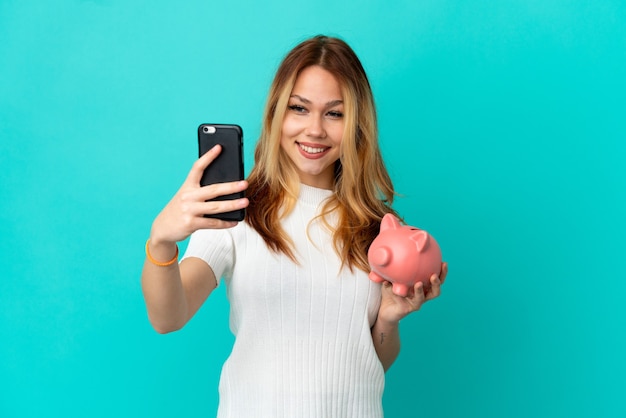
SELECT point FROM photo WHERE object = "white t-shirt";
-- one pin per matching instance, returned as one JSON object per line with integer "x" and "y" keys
{"x": 303, "y": 345}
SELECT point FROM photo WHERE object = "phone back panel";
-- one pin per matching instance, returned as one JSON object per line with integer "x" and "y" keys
{"x": 228, "y": 166}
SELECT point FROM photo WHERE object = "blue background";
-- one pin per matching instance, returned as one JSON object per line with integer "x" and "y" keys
{"x": 503, "y": 124}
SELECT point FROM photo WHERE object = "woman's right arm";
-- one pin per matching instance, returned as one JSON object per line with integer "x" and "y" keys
{"x": 175, "y": 292}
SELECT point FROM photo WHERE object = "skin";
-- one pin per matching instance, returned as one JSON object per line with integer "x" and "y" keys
{"x": 313, "y": 126}
{"x": 311, "y": 135}
{"x": 393, "y": 308}
{"x": 173, "y": 294}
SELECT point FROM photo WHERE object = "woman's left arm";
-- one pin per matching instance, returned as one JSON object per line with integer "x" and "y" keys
{"x": 386, "y": 332}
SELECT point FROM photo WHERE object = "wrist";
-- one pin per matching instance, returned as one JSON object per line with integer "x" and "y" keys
{"x": 161, "y": 253}
{"x": 387, "y": 325}
{"x": 157, "y": 242}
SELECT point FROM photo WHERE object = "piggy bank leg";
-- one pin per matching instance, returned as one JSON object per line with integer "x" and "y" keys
{"x": 375, "y": 277}
{"x": 400, "y": 289}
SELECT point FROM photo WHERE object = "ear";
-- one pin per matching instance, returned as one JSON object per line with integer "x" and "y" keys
{"x": 389, "y": 222}
{"x": 421, "y": 240}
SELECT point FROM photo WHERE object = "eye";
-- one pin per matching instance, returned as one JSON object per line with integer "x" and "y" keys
{"x": 297, "y": 108}
{"x": 335, "y": 114}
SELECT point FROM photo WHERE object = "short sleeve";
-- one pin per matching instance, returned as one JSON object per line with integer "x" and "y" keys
{"x": 215, "y": 247}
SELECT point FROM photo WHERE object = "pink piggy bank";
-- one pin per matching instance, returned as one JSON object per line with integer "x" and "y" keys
{"x": 403, "y": 255}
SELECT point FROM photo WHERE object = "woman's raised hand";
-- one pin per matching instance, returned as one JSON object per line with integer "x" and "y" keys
{"x": 184, "y": 214}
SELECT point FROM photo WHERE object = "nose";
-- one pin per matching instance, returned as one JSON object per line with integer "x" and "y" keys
{"x": 315, "y": 127}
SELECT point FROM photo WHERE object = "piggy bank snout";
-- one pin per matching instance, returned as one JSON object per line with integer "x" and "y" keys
{"x": 380, "y": 256}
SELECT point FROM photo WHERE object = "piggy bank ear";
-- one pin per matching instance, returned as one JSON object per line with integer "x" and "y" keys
{"x": 421, "y": 239}
{"x": 389, "y": 222}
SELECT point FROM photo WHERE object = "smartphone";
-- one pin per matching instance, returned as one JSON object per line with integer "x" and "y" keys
{"x": 228, "y": 166}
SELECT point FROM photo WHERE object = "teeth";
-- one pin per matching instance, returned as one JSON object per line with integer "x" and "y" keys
{"x": 312, "y": 150}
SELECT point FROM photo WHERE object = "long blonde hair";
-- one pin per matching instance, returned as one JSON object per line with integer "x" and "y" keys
{"x": 363, "y": 188}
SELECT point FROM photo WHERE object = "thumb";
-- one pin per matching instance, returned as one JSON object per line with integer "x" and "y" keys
{"x": 201, "y": 164}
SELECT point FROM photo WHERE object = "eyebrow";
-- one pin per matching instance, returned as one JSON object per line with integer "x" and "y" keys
{"x": 307, "y": 101}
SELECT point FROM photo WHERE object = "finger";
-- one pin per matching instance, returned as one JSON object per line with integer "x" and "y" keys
{"x": 419, "y": 295}
{"x": 189, "y": 196}
{"x": 386, "y": 288}
{"x": 195, "y": 175}
{"x": 435, "y": 287}
{"x": 444, "y": 272}
{"x": 212, "y": 191}
{"x": 214, "y": 223}
{"x": 215, "y": 207}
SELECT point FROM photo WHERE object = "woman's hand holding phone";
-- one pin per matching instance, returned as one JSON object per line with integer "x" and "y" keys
{"x": 185, "y": 213}
{"x": 174, "y": 294}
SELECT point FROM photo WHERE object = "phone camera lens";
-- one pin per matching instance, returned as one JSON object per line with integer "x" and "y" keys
{"x": 205, "y": 129}
{"x": 208, "y": 129}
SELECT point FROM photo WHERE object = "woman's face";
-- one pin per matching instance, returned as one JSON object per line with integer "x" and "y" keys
{"x": 313, "y": 126}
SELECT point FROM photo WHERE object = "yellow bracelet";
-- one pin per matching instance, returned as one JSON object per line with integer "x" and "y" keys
{"x": 157, "y": 263}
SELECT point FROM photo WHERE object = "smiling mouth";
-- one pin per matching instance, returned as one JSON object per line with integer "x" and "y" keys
{"x": 311, "y": 150}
